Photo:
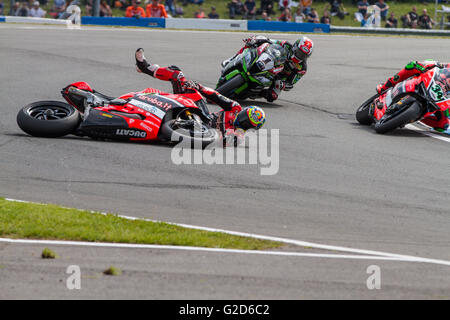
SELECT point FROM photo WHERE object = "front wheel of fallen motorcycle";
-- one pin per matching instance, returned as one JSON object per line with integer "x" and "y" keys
{"x": 194, "y": 136}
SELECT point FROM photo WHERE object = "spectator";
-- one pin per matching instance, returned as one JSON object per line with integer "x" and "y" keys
{"x": 58, "y": 4}
{"x": 236, "y": 7}
{"x": 283, "y": 4}
{"x": 249, "y": 9}
{"x": 265, "y": 16}
{"x": 1, "y": 8}
{"x": 425, "y": 21}
{"x": 156, "y": 10}
{"x": 105, "y": 9}
{"x": 412, "y": 18}
{"x": 121, "y": 4}
{"x": 36, "y": 11}
{"x": 391, "y": 22}
{"x": 364, "y": 20}
{"x": 299, "y": 17}
{"x": 170, "y": 6}
{"x": 362, "y": 7}
{"x": 199, "y": 14}
{"x": 286, "y": 15}
{"x": 326, "y": 18}
{"x": 337, "y": 9}
{"x": 384, "y": 8}
{"x": 199, "y": 2}
{"x": 313, "y": 16}
{"x": 267, "y": 6}
{"x": 135, "y": 11}
{"x": 23, "y": 10}
{"x": 213, "y": 14}
{"x": 306, "y": 4}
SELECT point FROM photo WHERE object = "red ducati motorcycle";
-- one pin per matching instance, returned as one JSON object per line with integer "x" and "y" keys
{"x": 151, "y": 115}
{"x": 411, "y": 100}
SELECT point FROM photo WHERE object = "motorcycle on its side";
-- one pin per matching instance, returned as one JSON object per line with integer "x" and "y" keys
{"x": 136, "y": 116}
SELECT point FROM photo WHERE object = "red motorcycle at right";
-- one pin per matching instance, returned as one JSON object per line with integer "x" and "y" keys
{"x": 412, "y": 100}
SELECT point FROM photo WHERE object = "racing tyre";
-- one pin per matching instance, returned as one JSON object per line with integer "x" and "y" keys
{"x": 407, "y": 115}
{"x": 227, "y": 88}
{"x": 48, "y": 119}
{"x": 363, "y": 113}
{"x": 188, "y": 137}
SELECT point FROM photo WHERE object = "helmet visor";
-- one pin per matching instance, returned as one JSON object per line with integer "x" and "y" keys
{"x": 300, "y": 55}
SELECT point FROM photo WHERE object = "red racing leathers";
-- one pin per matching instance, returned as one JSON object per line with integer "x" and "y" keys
{"x": 222, "y": 121}
{"x": 439, "y": 121}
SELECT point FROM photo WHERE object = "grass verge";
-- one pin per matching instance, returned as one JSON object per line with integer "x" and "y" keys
{"x": 112, "y": 271}
{"x": 41, "y": 221}
{"x": 48, "y": 254}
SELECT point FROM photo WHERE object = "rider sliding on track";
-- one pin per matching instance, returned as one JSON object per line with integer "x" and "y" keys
{"x": 440, "y": 120}
{"x": 227, "y": 121}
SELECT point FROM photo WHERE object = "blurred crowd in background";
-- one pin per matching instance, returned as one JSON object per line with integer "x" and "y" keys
{"x": 266, "y": 10}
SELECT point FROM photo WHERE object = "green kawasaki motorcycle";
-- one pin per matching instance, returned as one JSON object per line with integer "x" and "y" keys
{"x": 251, "y": 71}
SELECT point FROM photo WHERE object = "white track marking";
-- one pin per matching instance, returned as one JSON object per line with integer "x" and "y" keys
{"x": 427, "y": 132}
{"x": 204, "y": 249}
{"x": 374, "y": 254}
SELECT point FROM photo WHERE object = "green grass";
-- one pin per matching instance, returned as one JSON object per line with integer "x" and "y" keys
{"x": 399, "y": 8}
{"x": 112, "y": 271}
{"x": 48, "y": 254}
{"x": 39, "y": 221}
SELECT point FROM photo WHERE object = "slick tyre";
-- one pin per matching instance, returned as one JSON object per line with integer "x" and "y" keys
{"x": 48, "y": 119}
{"x": 228, "y": 87}
{"x": 188, "y": 138}
{"x": 408, "y": 115}
{"x": 363, "y": 112}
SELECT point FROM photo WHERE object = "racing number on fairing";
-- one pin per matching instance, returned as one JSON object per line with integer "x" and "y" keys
{"x": 438, "y": 94}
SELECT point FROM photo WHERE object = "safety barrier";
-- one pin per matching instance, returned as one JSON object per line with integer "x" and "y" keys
{"x": 125, "y": 22}
{"x": 223, "y": 24}
{"x": 432, "y": 32}
{"x": 32, "y": 20}
{"x": 287, "y": 26}
{"x": 207, "y": 24}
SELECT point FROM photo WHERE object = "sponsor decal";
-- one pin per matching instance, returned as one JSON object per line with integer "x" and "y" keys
{"x": 131, "y": 133}
{"x": 143, "y": 125}
{"x": 150, "y": 122}
{"x": 148, "y": 107}
{"x": 157, "y": 100}
{"x": 106, "y": 115}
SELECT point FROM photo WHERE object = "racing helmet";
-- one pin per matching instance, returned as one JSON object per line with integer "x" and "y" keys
{"x": 301, "y": 50}
{"x": 251, "y": 117}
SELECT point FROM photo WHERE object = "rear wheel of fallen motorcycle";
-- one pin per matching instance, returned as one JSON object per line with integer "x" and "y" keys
{"x": 189, "y": 137}
{"x": 49, "y": 119}
{"x": 227, "y": 88}
{"x": 363, "y": 113}
{"x": 405, "y": 116}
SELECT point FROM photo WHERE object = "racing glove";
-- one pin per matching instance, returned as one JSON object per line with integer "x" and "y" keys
{"x": 191, "y": 84}
{"x": 255, "y": 41}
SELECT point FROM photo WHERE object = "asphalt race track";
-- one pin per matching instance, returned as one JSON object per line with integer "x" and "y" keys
{"x": 338, "y": 183}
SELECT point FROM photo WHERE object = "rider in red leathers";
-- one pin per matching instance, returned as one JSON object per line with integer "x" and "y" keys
{"x": 440, "y": 121}
{"x": 233, "y": 115}
{"x": 227, "y": 121}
